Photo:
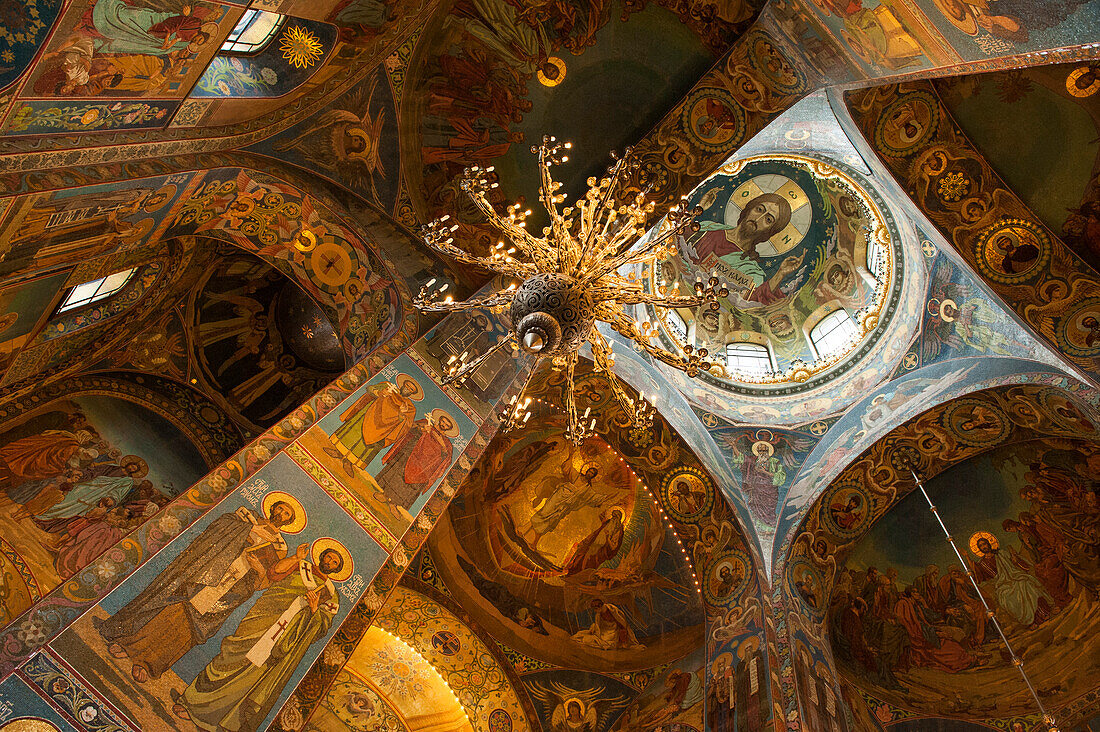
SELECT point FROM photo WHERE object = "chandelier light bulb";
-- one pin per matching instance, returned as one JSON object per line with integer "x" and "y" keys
{"x": 570, "y": 279}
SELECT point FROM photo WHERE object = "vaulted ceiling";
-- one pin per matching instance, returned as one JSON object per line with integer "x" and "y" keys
{"x": 245, "y": 182}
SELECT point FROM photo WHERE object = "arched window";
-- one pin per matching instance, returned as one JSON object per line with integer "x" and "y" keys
{"x": 833, "y": 334}
{"x": 253, "y": 31}
{"x": 96, "y": 290}
{"x": 750, "y": 359}
{"x": 876, "y": 258}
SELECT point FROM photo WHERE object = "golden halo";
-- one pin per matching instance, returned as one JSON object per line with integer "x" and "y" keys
{"x": 402, "y": 379}
{"x": 764, "y": 446}
{"x": 439, "y": 412}
{"x": 29, "y": 725}
{"x": 718, "y": 567}
{"x": 1071, "y": 83}
{"x": 327, "y": 542}
{"x": 167, "y": 191}
{"x": 983, "y": 535}
{"x": 613, "y": 509}
{"x": 211, "y": 30}
{"x": 570, "y": 700}
{"x": 721, "y": 662}
{"x": 749, "y": 645}
{"x": 305, "y": 240}
{"x": 299, "y": 521}
{"x": 556, "y": 63}
{"x": 142, "y": 466}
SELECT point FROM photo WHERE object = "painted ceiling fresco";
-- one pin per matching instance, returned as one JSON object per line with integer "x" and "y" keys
{"x": 237, "y": 493}
{"x": 1060, "y": 186}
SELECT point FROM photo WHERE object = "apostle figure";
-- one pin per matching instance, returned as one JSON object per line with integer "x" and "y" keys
{"x": 186, "y": 604}
{"x": 379, "y": 418}
{"x": 609, "y": 631}
{"x": 1018, "y": 592}
{"x": 126, "y": 28}
{"x": 44, "y": 455}
{"x": 599, "y": 546}
{"x": 239, "y": 687}
{"x": 114, "y": 482}
{"x": 418, "y": 459}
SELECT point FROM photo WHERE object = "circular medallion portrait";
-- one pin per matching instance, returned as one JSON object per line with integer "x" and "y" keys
{"x": 727, "y": 577}
{"x": 1013, "y": 251}
{"x": 1078, "y": 330}
{"x": 976, "y": 422}
{"x": 907, "y": 123}
{"x": 714, "y": 119}
{"x": 805, "y": 584}
{"x": 793, "y": 240}
{"x": 784, "y": 76}
{"x": 688, "y": 494}
{"x": 846, "y": 510}
{"x": 1065, "y": 413}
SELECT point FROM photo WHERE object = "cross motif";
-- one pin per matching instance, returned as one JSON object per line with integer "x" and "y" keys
{"x": 280, "y": 627}
{"x": 928, "y": 248}
{"x": 329, "y": 264}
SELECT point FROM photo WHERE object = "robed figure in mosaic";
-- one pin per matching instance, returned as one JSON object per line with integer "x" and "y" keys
{"x": 380, "y": 417}
{"x": 187, "y": 603}
{"x": 418, "y": 459}
{"x": 240, "y": 686}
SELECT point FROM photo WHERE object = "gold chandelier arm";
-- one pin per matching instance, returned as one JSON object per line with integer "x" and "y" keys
{"x": 424, "y": 304}
{"x": 525, "y": 243}
{"x": 661, "y": 301}
{"x": 459, "y": 369}
{"x": 512, "y": 268}
{"x": 691, "y": 364}
{"x": 579, "y": 429}
{"x": 624, "y": 255}
{"x": 550, "y": 154}
{"x": 592, "y": 210}
{"x": 604, "y": 359}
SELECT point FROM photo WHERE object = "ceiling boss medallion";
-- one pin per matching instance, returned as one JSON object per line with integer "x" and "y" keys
{"x": 570, "y": 278}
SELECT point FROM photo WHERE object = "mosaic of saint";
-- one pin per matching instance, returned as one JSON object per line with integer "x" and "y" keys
{"x": 77, "y": 475}
{"x": 563, "y": 553}
{"x": 249, "y": 590}
{"x": 793, "y": 246}
{"x": 906, "y": 621}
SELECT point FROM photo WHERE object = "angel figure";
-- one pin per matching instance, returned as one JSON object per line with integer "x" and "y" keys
{"x": 765, "y": 459}
{"x": 972, "y": 323}
{"x": 576, "y": 710}
{"x": 346, "y": 143}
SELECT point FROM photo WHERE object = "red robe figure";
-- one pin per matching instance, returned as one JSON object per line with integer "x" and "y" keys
{"x": 418, "y": 459}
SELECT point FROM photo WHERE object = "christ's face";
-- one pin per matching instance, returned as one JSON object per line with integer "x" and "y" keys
{"x": 761, "y": 217}
{"x": 984, "y": 546}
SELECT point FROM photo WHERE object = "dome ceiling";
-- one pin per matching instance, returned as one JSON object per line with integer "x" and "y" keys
{"x": 262, "y": 345}
{"x": 563, "y": 554}
{"x": 791, "y": 267}
{"x": 795, "y": 240}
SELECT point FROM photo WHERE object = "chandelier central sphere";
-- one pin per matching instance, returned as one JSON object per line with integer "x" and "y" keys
{"x": 570, "y": 278}
{"x": 552, "y": 314}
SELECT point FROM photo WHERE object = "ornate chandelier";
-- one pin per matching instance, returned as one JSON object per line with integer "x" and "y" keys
{"x": 569, "y": 278}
